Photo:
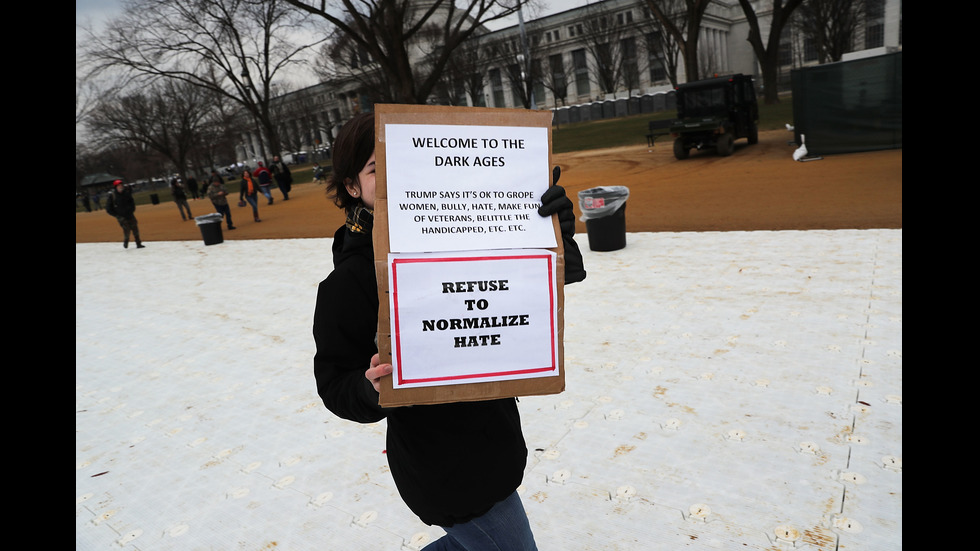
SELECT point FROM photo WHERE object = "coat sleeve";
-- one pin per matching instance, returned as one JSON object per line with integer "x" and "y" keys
{"x": 344, "y": 330}
{"x": 110, "y": 205}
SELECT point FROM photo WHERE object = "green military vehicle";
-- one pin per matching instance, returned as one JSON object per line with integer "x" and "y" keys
{"x": 713, "y": 113}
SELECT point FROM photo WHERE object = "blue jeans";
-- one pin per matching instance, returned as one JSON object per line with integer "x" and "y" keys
{"x": 255, "y": 205}
{"x": 502, "y": 528}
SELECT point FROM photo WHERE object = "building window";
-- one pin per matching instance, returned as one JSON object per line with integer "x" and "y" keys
{"x": 785, "y": 53}
{"x": 581, "y": 67}
{"x": 538, "y": 84}
{"x": 874, "y": 17}
{"x": 497, "y": 88}
{"x": 359, "y": 57}
{"x": 631, "y": 72}
{"x": 558, "y": 83}
{"x": 874, "y": 36}
{"x": 658, "y": 69}
{"x": 517, "y": 84}
{"x": 809, "y": 50}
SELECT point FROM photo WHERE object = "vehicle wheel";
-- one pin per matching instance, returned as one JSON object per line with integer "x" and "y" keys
{"x": 681, "y": 151}
{"x": 726, "y": 144}
{"x": 754, "y": 134}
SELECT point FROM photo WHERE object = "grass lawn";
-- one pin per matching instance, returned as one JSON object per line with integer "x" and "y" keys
{"x": 632, "y": 129}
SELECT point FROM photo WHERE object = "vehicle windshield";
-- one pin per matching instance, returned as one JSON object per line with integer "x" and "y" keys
{"x": 703, "y": 102}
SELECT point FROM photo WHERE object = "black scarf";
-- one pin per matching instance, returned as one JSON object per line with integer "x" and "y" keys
{"x": 360, "y": 219}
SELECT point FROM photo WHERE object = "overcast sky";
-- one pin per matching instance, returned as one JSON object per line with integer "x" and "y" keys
{"x": 97, "y": 11}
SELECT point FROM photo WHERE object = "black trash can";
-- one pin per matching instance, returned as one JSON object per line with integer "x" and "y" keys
{"x": 210, "y": 225}
{"x": 604, "y": 211}
{"x": 154, "y": 198}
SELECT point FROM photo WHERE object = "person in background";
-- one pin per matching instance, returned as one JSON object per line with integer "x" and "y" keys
{"x": 456, "y": 465}
{"x": 250, "y": 192}
{"x": 122, "y": 206}
{"x": 214, "y": 177}
{"x": 264, "y": 176}
{"x": 180, "y": 197}
{"x": 192, "y": 187}
{"x": 219, "y": 198}
{"x": 284, "y": 179}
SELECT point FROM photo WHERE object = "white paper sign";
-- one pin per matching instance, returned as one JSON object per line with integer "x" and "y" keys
{"x": 460, "y": 187}
{"x": 472, "y": 317}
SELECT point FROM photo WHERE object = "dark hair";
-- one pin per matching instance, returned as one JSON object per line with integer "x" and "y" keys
{"x": 351, "y": 150}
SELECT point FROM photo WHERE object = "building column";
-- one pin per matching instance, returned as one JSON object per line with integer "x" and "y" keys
{"x": 893, "y": 21}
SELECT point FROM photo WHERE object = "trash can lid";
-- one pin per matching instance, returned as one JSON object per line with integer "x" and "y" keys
{"x": 608, "y": 192}
{"x": 208, "y": 218}
{"x": 607, "y": 198}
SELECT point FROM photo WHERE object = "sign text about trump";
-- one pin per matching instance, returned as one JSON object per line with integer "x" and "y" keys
{"x": 462, "y": 187}
{"x": 472, "y": 317}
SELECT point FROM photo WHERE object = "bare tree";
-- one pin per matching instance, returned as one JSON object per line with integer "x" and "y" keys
{"x": 388, "y": 30}
{"x": 662, "y": 52}
{"x": 167, "y": 118}
{"x": 603, "y": 39}
{"x": 218, "y": 134}
{"x": 466, "y": 71}
{"x": 236, "y": 48}
{"x": 302, "y": 119}
{"x": 556, "y": 76}
{"x": 343, "y": 61}
{"x": 130, "y": 162}
{"x": 661, "y": 49}
{"x": 519, "y": 64}
{"x": 768, "y": 52}
{"x": 829, "y": 26}
{"x": 84, "y": 99}
{"x": 683, "y": 24}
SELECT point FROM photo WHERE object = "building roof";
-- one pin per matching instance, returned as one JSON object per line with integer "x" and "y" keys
{"x": 99, "y": 179}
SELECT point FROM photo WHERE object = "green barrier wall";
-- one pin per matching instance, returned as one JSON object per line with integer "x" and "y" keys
{"x": 849, "y": 106}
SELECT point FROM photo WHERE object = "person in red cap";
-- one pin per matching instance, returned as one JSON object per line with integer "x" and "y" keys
{"x": 121, "y": 205}
{"x": 264, "y": 175}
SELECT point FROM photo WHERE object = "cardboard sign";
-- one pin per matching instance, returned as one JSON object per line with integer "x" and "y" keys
{"x": 470, "y": 276}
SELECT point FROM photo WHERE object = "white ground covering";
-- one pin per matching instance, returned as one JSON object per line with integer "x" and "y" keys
{"x": 724, "y": 390}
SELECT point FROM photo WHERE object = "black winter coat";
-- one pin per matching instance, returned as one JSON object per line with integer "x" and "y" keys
{"x": 450, "y": 462}
{"x": 121, "y": 205}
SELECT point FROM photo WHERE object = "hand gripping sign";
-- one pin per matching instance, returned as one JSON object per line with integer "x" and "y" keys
{"x": 470, "y": 275}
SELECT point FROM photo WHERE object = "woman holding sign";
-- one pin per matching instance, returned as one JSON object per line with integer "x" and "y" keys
{"x": 456, "y": 465}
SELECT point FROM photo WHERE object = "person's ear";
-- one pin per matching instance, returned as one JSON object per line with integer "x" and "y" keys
{"x": 352, "y": 188}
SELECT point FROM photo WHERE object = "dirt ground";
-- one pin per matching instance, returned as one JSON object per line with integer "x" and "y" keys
{"x": 759, "y": 187}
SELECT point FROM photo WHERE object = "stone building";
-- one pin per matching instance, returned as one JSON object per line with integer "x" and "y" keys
{"x": 605, "y": 50}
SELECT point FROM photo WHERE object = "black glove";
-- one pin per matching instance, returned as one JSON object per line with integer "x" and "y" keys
{"x": 555, "y": 201}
